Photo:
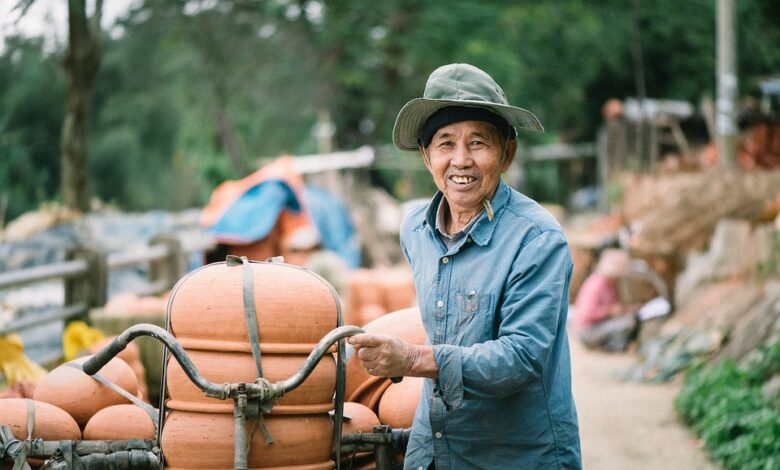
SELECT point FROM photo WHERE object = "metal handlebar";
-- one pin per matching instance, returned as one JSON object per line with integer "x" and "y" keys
{"x": 261, "y": 390}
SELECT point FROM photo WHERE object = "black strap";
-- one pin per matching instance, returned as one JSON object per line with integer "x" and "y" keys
{"x": 252, "y": 328}
{"x": 149, "y": 409}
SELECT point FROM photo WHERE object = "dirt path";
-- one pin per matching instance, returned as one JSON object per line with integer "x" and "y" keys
{"x": 629, "y": 425}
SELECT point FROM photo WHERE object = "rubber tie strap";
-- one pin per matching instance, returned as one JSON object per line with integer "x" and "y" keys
{"x": 20, "y": 459}
{"x": 149, "y": 409}
{"x": 252, "y": 328}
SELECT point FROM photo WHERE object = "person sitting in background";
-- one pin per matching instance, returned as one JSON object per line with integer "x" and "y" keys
{"x": 601, "y": 319}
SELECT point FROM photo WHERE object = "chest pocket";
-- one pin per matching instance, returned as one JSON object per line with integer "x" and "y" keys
{"x": 475, "y": 321}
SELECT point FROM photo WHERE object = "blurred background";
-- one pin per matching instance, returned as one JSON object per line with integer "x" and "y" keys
{"x": 187, "y": 94}
{"x": 157, "y": 135}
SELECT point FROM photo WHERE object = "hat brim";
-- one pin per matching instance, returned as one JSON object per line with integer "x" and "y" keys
{"x": 413, "y": 115}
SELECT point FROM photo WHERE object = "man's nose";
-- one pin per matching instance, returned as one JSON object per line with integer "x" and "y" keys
{"x": 461, "y": 157}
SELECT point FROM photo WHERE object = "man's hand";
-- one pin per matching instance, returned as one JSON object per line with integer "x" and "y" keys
{"x": 388, "y": 356}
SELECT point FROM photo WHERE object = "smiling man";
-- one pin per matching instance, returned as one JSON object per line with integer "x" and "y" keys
{"x": 491, "y": 268}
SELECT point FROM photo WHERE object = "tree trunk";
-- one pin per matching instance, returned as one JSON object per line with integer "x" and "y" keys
{"x": 81, "y": 66}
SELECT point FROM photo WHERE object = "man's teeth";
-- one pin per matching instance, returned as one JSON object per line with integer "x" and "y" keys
{"x": 462, "y": 179}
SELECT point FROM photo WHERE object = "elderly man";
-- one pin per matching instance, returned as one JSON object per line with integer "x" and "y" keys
{"x": 491, "y": 268}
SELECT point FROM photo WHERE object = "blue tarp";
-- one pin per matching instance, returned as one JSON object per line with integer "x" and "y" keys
{"x": 252, "y": 217}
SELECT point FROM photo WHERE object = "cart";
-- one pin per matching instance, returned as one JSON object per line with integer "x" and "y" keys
{"x": 248, "y": 401}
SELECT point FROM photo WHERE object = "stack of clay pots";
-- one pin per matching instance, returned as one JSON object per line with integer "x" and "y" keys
{"x": 374, "y": 292}
{"x": 295, "y": 309}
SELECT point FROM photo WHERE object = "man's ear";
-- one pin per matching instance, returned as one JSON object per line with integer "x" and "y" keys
{"x": 509, "y": 156}
{"x": 424, "y": 156}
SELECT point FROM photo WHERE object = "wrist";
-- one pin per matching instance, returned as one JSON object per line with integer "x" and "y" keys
{"x": 424, "y": 364}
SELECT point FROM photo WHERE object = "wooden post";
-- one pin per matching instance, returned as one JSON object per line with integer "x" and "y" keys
{"x": 726, "y": 106}
{"x": 92, "y": 288}
{"x": 173, "y": 267}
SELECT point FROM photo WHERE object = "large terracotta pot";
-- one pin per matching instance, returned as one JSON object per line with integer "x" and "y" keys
{"x": 399, "y": 402}
{"x": 205, "y": 441}
{"x": 80, "y": 395}
{"x": 295, "y": 308}
{"x": 51, "y": 422}
{"x": 119, "y": 422}
{"x": 315, "y": 395}
{"x": 405, "y": 324}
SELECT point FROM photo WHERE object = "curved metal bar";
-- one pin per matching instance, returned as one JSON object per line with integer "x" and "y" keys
{"x": 263, "y": 390}
{"x": 290, "y": 384}
{"x": 101, "y": 358}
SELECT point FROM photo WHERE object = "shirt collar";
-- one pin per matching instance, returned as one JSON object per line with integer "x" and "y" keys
{"x": 482, "y": 231}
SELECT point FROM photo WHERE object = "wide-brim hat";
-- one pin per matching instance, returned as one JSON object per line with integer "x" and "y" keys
{"x": 457, "y": 85}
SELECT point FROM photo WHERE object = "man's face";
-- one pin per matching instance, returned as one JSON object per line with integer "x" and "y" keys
{"x": 465, "y": 159}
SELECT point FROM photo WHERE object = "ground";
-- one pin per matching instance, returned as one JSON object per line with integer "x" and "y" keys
{"x": 628, "y": 425}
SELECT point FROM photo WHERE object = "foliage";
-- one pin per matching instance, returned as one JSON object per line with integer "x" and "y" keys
{"x": 724, "y": 405}
{"x": 193, "y": 92}
{"x": 30, "y": 119}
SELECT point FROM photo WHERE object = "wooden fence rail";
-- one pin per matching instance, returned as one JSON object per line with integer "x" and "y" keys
{"x": 85, "y": 274}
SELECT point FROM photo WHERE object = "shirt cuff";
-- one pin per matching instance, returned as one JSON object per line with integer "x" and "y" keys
{"x": 450, "y": 382}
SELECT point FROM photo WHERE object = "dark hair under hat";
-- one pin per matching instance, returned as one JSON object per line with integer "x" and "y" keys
{"x": 450, "y": 114}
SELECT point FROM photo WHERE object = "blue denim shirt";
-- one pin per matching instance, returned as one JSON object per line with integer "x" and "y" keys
{"x": 494, "y": 308}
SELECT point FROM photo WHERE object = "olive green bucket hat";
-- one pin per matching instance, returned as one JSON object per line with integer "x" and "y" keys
{"x": 457, "y": 85}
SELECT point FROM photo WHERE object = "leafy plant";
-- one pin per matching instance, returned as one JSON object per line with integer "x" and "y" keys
{"x": 724, "y": 406}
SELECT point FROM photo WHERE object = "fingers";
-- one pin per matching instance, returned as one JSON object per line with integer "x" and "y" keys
{"x": 365, "y": 340}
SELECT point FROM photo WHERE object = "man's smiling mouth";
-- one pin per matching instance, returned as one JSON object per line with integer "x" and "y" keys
{"x": 458, "y": 179}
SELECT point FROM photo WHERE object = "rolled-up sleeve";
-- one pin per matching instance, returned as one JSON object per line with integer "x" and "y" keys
{"x": 530, "y": 314}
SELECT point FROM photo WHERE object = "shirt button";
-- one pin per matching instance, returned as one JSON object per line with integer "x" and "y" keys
{"x": 445, "y": 260}
{"x": 440, "y": 303}
{"x": 438, "y": 435}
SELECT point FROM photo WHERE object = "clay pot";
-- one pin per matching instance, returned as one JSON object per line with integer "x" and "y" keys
{"x": 21, "y": 389}
{"x": 80, "y": 395}
{"x": 369, "y": 313}
{"x": 398, "y": 287}
{"x": 364, "y": 290}
{"x": 120, "y": 422}
{"x": 51, "y": 422}
{"x": 405, "y": 324}
{"x": 205, "y": 441}
{"x": 132, "y": 356}
{"x": 362, "y": 418}
{"x": 315, "y": 395}
{"x": 373, "y": 394}
{"x": 329, "y": 465}
{"x": 295, "y": 308}
{"x": 399, "y": 402}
